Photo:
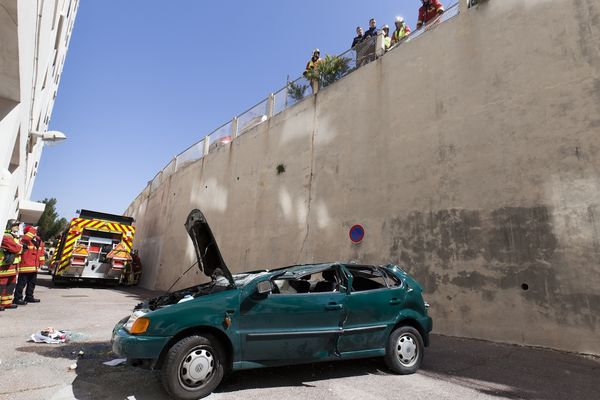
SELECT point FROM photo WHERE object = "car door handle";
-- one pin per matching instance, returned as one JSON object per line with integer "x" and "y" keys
{"x": 334, "y": 306}
{"x": 395, "y": 301}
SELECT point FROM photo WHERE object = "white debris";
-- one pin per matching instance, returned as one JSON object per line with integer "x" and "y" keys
{"x": 50, "y": 335}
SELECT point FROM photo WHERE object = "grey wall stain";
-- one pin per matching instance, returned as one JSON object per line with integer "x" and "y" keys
{"x": 471, "y": 280}
{"x": 519, "y": 235}
{"x": 585, "y": 14}
{"x": 441, "y": 237}
{"x": 514, "y": 249}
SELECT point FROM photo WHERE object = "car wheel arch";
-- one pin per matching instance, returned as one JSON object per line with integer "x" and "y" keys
{"x": 199, "y": 330}
{"x": 407, "y": 321}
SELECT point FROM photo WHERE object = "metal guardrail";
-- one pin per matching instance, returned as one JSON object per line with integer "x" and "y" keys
{"x": 222, "y": 135}
{"x": 294, "y": 92}
{"x": 189, "y": 155}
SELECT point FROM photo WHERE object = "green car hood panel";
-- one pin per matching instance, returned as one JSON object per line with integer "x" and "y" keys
{"x": 210, "y": 260}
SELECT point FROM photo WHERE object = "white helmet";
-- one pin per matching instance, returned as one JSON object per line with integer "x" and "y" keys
{"x": 399, "y": 20}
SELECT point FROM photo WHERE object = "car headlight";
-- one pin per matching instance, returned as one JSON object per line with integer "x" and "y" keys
{"x": 137, "y": 323}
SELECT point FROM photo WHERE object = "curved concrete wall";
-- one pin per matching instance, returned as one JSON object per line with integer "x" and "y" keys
{"x": 471, "y": 156}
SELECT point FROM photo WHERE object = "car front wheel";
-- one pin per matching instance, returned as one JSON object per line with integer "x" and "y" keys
{"x": 404, "y": 351}
{"x": 193, "y": 367}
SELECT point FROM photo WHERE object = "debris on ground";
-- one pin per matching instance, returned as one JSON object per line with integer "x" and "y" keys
{"x": 73, "y": 367}
{"x": 115, "y": 362}
{"x": 51, "y": 336}
{"x": 79, "y": 353}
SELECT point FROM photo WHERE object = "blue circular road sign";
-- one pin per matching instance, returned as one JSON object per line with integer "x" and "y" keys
{"x": 357, "y": 233}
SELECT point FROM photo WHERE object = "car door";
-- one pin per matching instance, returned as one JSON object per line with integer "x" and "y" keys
{"x": 293, "y": 327}
{"x": 373, "y": 305}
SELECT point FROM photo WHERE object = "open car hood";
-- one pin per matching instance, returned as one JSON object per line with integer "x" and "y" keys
{"x": 209, "y": 257}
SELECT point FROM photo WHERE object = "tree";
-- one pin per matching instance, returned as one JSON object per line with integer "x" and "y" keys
{"x": 330, "y": 69}
{"x": 49, "y": 224}
{"x": 296, "y": 90}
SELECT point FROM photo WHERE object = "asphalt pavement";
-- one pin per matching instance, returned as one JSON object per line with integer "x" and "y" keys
{"x": 453, "y": 368}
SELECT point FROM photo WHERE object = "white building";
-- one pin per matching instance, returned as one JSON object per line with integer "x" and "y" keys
{"x": 34, "y": 38}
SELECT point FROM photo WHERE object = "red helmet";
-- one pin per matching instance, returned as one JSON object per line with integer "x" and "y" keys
{"x": 30, "y": 228}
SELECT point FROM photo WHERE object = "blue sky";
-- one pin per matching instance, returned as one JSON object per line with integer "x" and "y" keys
{"x": 144, "y": 79}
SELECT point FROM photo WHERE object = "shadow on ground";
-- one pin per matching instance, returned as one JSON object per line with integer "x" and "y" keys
{"x": 132, "y": 292}
{"x": 497, "y": 370}
{"x": 512, "y": 372}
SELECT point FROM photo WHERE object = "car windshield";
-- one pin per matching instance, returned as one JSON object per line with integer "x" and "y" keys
{"x": 242, "y": 280}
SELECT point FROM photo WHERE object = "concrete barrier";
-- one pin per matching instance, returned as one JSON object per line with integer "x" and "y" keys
{"x": 470, "y": 155}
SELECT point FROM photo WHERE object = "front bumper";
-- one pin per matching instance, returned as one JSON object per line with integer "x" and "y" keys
{"x": 135, "y": 347}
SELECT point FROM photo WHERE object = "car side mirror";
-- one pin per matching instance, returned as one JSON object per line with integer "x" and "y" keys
{"x": 264, "y": 287}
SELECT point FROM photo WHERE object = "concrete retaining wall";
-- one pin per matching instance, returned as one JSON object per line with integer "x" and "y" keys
{"x": 471, "y": 155}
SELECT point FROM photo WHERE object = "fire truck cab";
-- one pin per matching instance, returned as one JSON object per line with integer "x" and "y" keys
{"x": 95, "y": 246}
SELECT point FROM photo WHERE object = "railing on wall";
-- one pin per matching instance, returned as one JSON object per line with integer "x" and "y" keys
{"x": 294, "y": 92}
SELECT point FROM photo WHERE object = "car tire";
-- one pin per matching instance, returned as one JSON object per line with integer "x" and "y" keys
{"x": 193, "y": 367}
{"x": 405, "y": 350}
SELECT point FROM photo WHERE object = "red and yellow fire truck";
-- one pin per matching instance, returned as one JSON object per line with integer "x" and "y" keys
{"x": 95, "y": 246}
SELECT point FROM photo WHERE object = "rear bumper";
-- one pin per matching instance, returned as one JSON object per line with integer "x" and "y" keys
{"x": 427, "y": 323}
{"x": 135, "y": 347}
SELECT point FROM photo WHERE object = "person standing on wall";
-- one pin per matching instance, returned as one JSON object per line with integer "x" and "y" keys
{"x": 28, "y": 267}
{"x": 429, "y": 11}
{"x": 9, "y": 262}
{"x": 402, "y": 31}
{"x": 312, "y": 70}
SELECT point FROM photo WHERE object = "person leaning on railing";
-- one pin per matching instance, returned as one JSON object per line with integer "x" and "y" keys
{"x": 365, "y": 49}
{"x": 429, "y": 10}
{"x": 402, "y": 31}
{"x": 372, "y": 31}
{"x": 358, "y": 38}
{"x": 387, "y": 40}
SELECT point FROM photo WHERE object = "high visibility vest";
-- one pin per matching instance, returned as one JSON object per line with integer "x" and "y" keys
{"x": 29, "y": 259}
{"x": 399, "y": 34}
{"x": 312, "y": 65}
{"x": 41, "y": 255}
{"x": 10, "y": 270}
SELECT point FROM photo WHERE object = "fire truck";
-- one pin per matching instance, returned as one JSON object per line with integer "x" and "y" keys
{"x": 96, "y": 246}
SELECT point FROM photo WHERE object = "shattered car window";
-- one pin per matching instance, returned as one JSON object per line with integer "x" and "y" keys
{"x": 312, "y": 281}
{"x": 371, "y": 278}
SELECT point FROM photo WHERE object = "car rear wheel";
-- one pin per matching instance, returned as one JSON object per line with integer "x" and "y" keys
{"x": 193, "y": 367}
{"x": 405, "y": 350}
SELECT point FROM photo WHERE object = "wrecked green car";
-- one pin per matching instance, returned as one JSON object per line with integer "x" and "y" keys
{"x": 298, "y": 314}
